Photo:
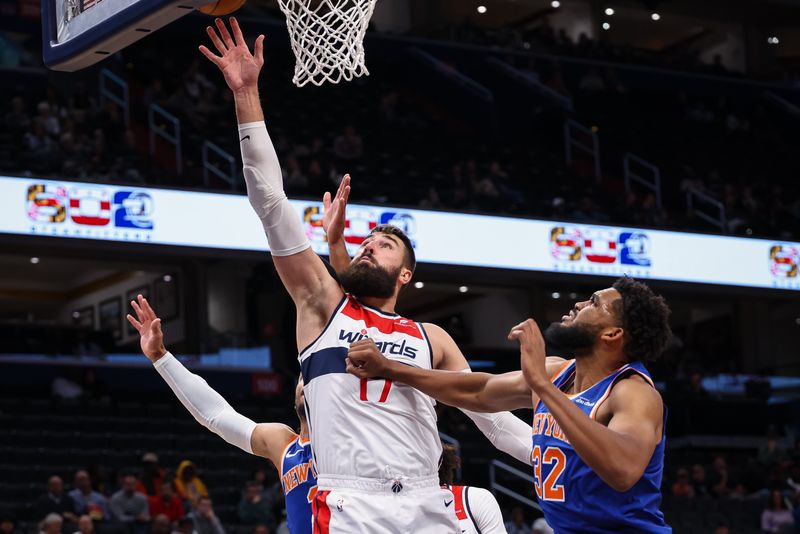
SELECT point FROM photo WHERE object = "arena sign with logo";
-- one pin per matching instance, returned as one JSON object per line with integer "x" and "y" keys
{"x": 209, "y": 220}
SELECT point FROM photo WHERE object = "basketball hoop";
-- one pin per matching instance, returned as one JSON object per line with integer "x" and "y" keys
{"x": 327, "y": 38}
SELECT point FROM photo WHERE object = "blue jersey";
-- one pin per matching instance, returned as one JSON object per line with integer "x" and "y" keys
{"x": 573, "y": 498}
{"x": 299, "y": 481}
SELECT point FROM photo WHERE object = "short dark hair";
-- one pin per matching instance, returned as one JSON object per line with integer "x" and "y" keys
{"x": 448, "y": 464}
{"x": 410, "y": 259}
{"x": 645, "y": 319}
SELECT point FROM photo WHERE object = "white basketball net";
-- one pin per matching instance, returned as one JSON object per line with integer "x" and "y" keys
{"x": 327, "y": 38}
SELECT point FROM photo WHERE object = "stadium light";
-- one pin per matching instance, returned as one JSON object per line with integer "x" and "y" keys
{"x": 655, "y": 16}
{"x": 463, "y": 289}
{"x": 167, "y": 278}
{"x": 556, "y": 295}
{"x": 606, "y": 26}
{"x": 773, "y": 40}
{"x": 481, "y": 9}
{"x": 556, "y": 4}
{"x": 419, "y": 285}
{"x": 609, "y": 11}
{"x": 34, "y": 260}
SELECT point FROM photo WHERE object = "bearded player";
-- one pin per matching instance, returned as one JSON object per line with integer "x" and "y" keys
{"x": 598, "y": 426}
{"x": 375, "y": 443}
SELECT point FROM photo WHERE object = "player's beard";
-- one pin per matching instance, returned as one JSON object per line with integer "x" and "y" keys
{"x": 363, "y": 279}
{"x": 575, "y": 340}
{"x": 300, "y": 409}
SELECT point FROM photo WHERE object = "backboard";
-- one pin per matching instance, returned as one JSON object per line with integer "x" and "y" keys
{"x": 79, "y": 33}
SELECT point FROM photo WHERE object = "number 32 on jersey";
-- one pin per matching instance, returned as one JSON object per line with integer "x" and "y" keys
{"x": 549, "y": 489}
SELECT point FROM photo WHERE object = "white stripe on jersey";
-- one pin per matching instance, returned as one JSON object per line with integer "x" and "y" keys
{"x": 369, "y": 429}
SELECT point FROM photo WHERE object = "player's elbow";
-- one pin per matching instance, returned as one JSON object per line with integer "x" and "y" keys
{"x": 624, "y": 477}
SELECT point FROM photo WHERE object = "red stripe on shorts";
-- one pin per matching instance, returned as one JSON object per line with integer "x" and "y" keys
{"x": 321, "y": 512}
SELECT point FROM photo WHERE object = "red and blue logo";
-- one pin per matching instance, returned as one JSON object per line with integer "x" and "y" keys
{"x": 89, "y": 206}
{"x": 600, "y": 246}
{"x": 784, "y": 260}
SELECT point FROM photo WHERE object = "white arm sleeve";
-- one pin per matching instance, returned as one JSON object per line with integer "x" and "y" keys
{"x": 262, "y": 174}
{"x": 206, "y": 405}
{"x": 484, "y": 511}
{"x": 506, "y": 431}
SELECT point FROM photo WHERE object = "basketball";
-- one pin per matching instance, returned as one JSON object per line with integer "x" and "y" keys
{"x": 222, "y": 7}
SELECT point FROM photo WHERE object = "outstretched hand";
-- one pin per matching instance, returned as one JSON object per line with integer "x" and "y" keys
{"x": 333, "y": 217}
{"x": 532, "y": 352}
{"x": 364, "y": 360}
{"x": 149, "y": 327}
{"x": 238, "y": 65}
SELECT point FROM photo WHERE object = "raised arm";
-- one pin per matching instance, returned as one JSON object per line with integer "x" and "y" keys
{"x": 333, "y": 221}
{"x": 302, "y": 272}
{"x": 207, "y": 406}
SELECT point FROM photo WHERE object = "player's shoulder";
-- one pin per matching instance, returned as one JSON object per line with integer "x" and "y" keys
{"x": 635, "y": 389}
{"x": 475, "y": 493}
{"x": 434, "y": 330}
{"x": 556, "y": 364}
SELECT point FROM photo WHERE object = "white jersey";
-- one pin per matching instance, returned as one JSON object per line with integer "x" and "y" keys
{"x": 360, "y": 428}
{"x": 477, "y": 511}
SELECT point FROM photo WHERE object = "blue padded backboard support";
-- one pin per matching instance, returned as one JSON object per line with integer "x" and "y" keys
{"x": 109, "y": 36}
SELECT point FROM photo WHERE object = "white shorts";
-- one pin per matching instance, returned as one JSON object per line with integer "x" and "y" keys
{"x": 369, "y": 506}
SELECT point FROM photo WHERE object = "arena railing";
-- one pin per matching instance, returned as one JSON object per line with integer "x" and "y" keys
{"x": 651, "y": 182}
{"x": 231, "y": 176}
{"x": 121, "y": 96}
{"x": 156, "y": 119}
{"x": 532, "y": 80}
{"x": 497, "y": 487}
{"x": 573, "y": 131}
{"x": 694, "y": 197}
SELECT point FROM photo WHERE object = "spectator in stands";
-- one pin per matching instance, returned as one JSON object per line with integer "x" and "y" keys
{"x": 431, "y": 200}
{"x": 517, "y": 525}
{"x": 771, "y": 452}
{"x": 8, "y": 523}
{"x": 161, "y": 525}
{"x": 101, "y": 479}
{"x": 40, "y": 148}
{"x": 348, "y": 146}
{"x": 51, "y": 524}
{"x": 130, "y": 506}
{"x": 253, "y": 509}
{"x": 152, "y": 478}
{"x": 777, "y": 518}
{"x": 272, "y": 490}
{"x": 166, "y": 503}
{"x": 540, "y": 526}
{"x": 294, "y": 179}
{"x": 55, "y": 501}
{"x": 720, "y": 480}
{"x": 187, "y": 483}
{"x": 699, "y": 482}
{"x": 682, "y": 487}
{"x": 205, "y": 520}
{"x": 264, "y": 529}
{"x": 722, "y": 528}
{"x": 85, "y": 525}
{"x": 87, "y": 501}
{"x": 47, "y": 119}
